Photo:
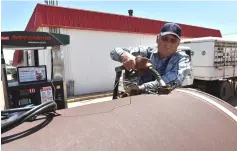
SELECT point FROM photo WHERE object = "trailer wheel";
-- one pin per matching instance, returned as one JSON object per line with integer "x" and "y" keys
{"x": 225, "y": 90}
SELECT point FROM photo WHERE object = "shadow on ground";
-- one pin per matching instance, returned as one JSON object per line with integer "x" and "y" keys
{"x": 233, "y": 101}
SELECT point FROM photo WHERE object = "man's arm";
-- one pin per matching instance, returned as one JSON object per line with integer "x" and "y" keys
{"x": 116, "y": 53}
{"x": 176, "y": 75}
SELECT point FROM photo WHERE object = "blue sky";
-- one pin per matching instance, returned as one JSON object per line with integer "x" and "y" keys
{"x": 212, "y": 14}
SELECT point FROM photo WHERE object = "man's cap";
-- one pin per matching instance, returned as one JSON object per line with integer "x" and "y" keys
{"x": 171, "y": 28}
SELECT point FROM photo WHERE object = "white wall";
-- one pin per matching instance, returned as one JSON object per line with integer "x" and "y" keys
{"x": 87, "y": 58}
{"x": 89, "y": 62}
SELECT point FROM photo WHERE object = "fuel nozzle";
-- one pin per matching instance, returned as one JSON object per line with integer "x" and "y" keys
{"x": 163, "y": 87}
{"x": 145, "y": 64}
{"x": 142, "y": 63}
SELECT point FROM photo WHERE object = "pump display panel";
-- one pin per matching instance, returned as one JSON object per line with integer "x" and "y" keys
{"x": 28, "y": 74}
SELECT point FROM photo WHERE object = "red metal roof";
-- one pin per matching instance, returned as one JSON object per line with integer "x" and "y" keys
{"x": 55, "y": 16}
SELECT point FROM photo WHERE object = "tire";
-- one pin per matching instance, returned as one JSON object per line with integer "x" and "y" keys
{"x": 225, "y": 90}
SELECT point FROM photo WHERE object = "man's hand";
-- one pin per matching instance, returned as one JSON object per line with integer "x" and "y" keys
{"x": 128, "y": 60}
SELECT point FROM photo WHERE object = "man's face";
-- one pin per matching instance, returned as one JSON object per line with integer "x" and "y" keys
{"x": 167, "y": 45}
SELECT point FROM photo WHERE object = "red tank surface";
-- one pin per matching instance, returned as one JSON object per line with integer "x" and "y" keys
{"x": 184, "y": 120}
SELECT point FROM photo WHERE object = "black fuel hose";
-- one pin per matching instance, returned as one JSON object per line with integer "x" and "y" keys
{"x": 3, "y": 112}
{"x": 12, "y": 122}
{"x": 157, "y": 76}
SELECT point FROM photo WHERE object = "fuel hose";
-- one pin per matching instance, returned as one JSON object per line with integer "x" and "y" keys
{"x": 25, "y": 114}
{"x": 157, "y": 76}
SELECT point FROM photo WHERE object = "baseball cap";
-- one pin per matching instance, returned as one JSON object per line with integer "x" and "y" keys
{"x": 171, "y": 28}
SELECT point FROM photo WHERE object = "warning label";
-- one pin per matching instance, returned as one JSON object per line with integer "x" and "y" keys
{"x": 46, "y": 94}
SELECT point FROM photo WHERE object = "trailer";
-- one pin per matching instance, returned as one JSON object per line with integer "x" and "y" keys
{"x": 214, "y": 65}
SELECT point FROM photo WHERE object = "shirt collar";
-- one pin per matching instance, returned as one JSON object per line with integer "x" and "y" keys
{"x": 156, "y": 53}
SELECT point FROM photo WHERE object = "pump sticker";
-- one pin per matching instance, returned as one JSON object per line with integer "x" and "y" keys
{"x": 4, "y": 38}
{"x": 46, "y": 94}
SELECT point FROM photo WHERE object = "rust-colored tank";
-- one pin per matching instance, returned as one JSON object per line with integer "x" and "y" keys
{"x": 184, "y": 120}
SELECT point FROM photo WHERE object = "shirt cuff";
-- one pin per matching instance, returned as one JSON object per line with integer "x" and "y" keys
{"x": 116, "y": 54}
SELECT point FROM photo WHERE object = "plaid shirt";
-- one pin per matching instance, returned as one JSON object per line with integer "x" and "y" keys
{"x": 173, "y": 69}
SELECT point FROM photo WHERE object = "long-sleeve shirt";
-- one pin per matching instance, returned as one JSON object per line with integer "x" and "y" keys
{"x": 173, "y": 69}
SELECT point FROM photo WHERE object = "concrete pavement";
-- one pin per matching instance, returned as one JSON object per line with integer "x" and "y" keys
{"x": 90, "y": 101}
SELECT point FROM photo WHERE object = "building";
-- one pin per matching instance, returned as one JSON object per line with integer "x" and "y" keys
{"x": 93, "y": 35}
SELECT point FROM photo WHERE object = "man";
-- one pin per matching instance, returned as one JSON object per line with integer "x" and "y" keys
{"x": 173, "y": 65}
